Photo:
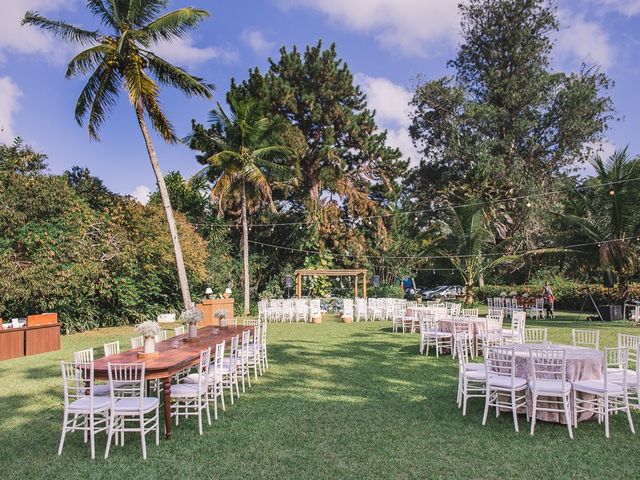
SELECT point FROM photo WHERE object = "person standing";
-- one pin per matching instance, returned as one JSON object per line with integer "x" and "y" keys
{"x": 549, "y": 299}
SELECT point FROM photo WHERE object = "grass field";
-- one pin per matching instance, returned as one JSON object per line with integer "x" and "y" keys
{"x": 339, "y": 401}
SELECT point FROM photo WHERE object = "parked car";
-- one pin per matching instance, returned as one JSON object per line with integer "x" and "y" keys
{"x": 444, "y": 291}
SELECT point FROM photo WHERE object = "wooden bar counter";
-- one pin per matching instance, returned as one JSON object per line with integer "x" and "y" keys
{"x": 42, "y": 334}
{"x": 210, "y": 306}
{"x": 11, "y": 343}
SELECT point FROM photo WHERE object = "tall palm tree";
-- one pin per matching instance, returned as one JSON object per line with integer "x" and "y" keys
{"x": 122, "y": 60}
{"x": 245, "y": 151}
{"x": 606, "y": 213}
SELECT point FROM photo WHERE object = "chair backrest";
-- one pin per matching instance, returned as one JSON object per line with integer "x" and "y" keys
{"x": 233, "y": 352}
{"x": 470, "y": 312}
{"x": 518, "y": 323}
{"x": 454, "y": 309}
{"x": 500, "y": 361}
{"x": 462, "y": 349}
{"x": 179, "y": 330}
{"x": 137, "y": 342}
{"x": 162, "y": 336}
{"x": 548, "y": 364}
{"x": 586, "y": 338}
{"x": 83, "y": 356}
{"x": 126, "y": 380}
{"x": 251, "y": 322}
{"x": 218, "y": 359}
{"x": 496, "y": 312}
{"x": 617, "y": 357}
{"x": 347, "y": 307}
{"x": 111, "y": 348}
{"x": 314, "y": 305}
{"x": 539, "y": 303}
{"x": 203, "y": 370}
{"x": 460, "y": 325}
{"x": 246, "y": 335}
{"x": 632, "y": 342}
{"x": 535, "y": 335}
{"x": 263, "y": 333}
{"x": 77, "y": 379}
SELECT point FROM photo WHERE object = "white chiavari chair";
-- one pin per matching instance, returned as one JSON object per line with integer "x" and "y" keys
{"x": 82, "y": 409}
{"x": 130, "y": 408}
{"x": 549, "y": 380}
{"x": 191, "y": 398}
{"x": 430, "y": 335}
{"x": 137, "y": 342}
{"x": 179, "y": 330}
{"x": 505, "y": 391}
{"x": 535, "y": 335}
{"x": 610, "y": 396}
{"x": 231, "y": 367}
{"x": 472, "y": 377}
{"x": 515, "y": 334}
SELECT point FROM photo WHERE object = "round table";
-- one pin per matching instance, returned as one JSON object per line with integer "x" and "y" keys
{"x": 582, "y": 364}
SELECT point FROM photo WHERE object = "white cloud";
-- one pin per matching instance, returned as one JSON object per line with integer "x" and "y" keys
{"x": 183, "y": 52}
{"x": 257, "y": 41}
{"x": 581, "y": 40}
{"x": 409, "y": 25}
{"x": 625, "y": 7}
{"x": 9, "y": 105}
{"x": 141, "y": 194}
{"x": 391, "y": 103}
{"x": 15, "y": 37}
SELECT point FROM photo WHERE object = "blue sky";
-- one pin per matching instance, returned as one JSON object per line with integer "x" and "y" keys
{"x": 387, "y": 44}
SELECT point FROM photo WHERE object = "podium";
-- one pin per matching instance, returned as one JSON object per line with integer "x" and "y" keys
{"x": 210, "y": 306}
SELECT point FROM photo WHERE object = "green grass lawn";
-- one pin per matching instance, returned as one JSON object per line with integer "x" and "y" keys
{"x": 339, "y": 401}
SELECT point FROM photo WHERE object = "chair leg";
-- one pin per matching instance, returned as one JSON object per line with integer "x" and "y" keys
{"x": 158, "y": 425}
{"x": 206, "y": 402}
{"x": 486, "y": 405}
{"x": 513, "y": 409}
{"x": 92, "y": 438}
{"x": 533, "y": 414}
{"x": 575, "y": 409}
{"x": 464, "y": 398}
{"x": 111, "y": 425}
{"x": 143, "y": 440}
{"x": 606, "y": 415}
{"x": 567, "y": 416}
{"x": 220, "y": 392}
{"x": 64, "y": 430}
{"x": 200, "y": 415}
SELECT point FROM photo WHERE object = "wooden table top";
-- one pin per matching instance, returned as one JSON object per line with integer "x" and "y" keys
{"x": 172, "y": 359}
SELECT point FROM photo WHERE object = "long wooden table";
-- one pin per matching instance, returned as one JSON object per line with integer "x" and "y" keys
{"x": 175, "y": 356}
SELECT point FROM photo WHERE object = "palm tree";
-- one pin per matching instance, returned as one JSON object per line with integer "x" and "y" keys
{"x": 123, "y": 61}
{"x": 465, "y": 240}
{"x": 606, "y": 213}
{"x": 243, "y": 149}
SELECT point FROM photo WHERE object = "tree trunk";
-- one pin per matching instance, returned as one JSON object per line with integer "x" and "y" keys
{"x": 164, "y": 195}
{"x": 468, "y": 293}
{"x": 245, "y": 252}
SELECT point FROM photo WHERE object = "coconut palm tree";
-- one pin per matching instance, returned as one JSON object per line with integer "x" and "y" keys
{"x": 123, "y": 60}
{"x": 243, "y": 149}
{"x": 464, "y": 238}
{"x": 605, "y": 213}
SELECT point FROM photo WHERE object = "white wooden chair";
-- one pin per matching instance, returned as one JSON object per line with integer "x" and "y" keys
{"x": 137, "y": 342}
{"x": 230, "y": 368}
{"x": 490, "y": 333}
{"x": 586, "y": 338}
{"x": 130, "y": 408}
{"x": 264, "y": 358}
{"x": 470, "y": 312}
{"x": 461, "y": 331}
{"x": 504, "y": 390}
{"x": 162, "y": 336}
{"x": 244, "y": 359}
{"x": 82, "y": 409}
{"x": 472, "y": 377}
{"x": 190, "y": 399}
{"x": 82, "y": 357}
{"x": 610, "y": 396}
{"x": 549, "y": 380}
{"x": 254, "y": 352}
{"x": 361, "y": 309}
{"x": 537, "y": 310}
{"x": 430, "y": 335}
{"x": 535, "y": 335}
{"x": 111, "y": 348}
{"x": 515, "y": 334}
{"x": 632, "y": 342}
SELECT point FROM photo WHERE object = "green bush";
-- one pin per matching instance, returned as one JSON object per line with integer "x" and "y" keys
{"x": 386, "y": 291}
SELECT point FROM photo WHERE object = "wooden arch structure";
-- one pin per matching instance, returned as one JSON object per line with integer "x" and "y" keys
{"x": 355, "y": 273}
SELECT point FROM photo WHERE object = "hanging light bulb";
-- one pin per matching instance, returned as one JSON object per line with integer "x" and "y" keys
{"x": 529, "y": 204}
{"x": 612, "y": 192}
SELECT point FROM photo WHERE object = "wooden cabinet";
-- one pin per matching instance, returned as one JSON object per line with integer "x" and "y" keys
{"x": 11, "y": 343}
{"x": 42, "y": 338}
{"x": 210, "y": 306}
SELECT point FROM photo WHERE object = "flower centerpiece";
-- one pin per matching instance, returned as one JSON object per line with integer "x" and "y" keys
{"x": 149, "y": 329}
{"x": 503, "y": 294}
{"x": 191, "y": 317}
{"x": 513, "y": 293}
{"x": 221, "y": 315}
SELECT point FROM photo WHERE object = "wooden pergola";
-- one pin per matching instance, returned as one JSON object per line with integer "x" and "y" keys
{"x": 345, "y": 272}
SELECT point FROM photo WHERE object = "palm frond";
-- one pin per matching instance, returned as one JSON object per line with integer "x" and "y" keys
{"x": 100, "y": 10}
{"x": 62, "y": 29}
{"x": 86, "y": 60}
{"x": 174, "y": 24}
{"x": 140, "y": 12}
{"x": 176, "y": 77}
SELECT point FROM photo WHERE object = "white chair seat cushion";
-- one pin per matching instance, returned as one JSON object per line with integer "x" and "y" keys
{"x": 504, "y": 382}
{"x": 615, "y": 374}
{"x": 100, "y": 404}
{"x": 476, "y": 375}
{"x": 507, "y": 333}
{"x": 102, "y": 390}
{"x": 437, "y": 333}
{"x": 193, "y": 378}
{"x": 597, "y": 386}
{"x": 132, "y": 404}
{"x": 475, "y": 367}
{"x": 184, "y": 390}
{"x": 551, "y": 386}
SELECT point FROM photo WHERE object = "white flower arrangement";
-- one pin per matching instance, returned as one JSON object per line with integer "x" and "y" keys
{"x": 191, "y": 316}
{"x": 220, "y": 314}
{"x": 148, "y": 328}
{"x": 503, "y": 294}
{"x": 513, "y": 293}
{"x": 525, "y": 295}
